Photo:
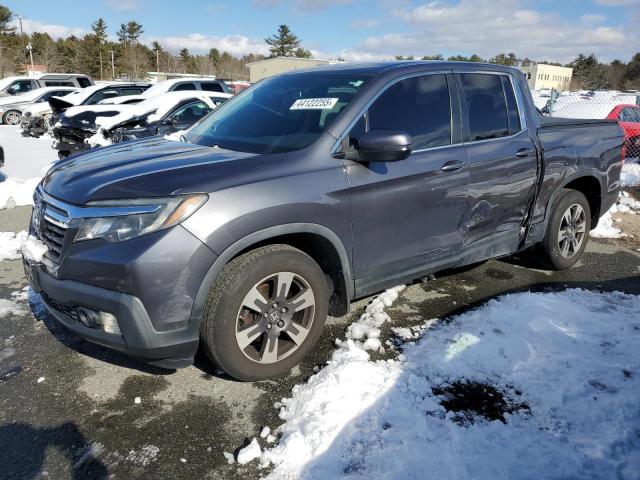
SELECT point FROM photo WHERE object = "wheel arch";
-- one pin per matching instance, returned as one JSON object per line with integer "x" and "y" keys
{"x": 317, "y": 241}
{"x": 590, "y": 185}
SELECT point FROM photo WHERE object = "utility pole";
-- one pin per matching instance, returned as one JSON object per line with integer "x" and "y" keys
{"x": 157, "y": 61}
{"x": 24, "y": 58}
{"x": 30, "y": 48}
{"x": 113, "y": 67}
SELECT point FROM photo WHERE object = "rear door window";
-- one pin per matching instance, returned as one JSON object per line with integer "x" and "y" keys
{"x": 630, "y": 115}
{"x": 83, "y": 82}
{"x": 419, "y": 106}
{"x": 185, "y": 86}
{"x": 212, "y": 87}
{"x": 486, "y": 106}
{"x": 124, "y": 92}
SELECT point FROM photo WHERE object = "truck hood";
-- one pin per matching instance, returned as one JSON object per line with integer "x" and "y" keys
{"x": 153, "y": 167}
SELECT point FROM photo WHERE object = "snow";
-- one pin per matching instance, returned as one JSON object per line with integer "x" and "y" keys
{"x": 229, "y": 457}
{"x": 569, "y": 367}
{"x": 7, "y": 307}
{"x": 630, "y": 176}
{"x": 10, "y": 244}
{"x": 26, "y": 161}
{"x": 137, "y": 400}
{"x": 33, "y": 249}
{"x": 264, "y": 433}
{"x": 249, "y": 453}
{"x": 606, "y": 227}
{"x": 367, "y": 328}
{"x": 40, "y": 380}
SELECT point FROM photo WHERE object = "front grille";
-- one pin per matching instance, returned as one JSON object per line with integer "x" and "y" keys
{"x": 50, "y": 223}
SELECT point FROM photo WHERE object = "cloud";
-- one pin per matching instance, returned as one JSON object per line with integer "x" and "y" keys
{"x": 123, "y": 5}
{"x": 618, "y": 3}
{"x": 54, "y": 31}
{"x": 301, "y": 6}
{"x": 487, "y": 27}
{"x": 236, "y": 45}
{"x": 364, "y": 23}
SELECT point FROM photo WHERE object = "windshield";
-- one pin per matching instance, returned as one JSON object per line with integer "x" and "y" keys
{"x": 280, "y": 114}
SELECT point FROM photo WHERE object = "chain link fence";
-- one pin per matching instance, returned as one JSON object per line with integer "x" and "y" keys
{"x": 623, "y": 107}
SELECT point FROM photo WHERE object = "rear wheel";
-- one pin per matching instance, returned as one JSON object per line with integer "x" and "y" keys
{"x": 567, "y": 230}
{"x": 265, "y": 312}
{"x": 12, "y": 117}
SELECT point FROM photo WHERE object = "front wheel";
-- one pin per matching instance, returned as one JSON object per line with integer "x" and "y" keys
{"x": 265, "y": 312}
{"x": 567, "y": 230}
{"x": 12, "y": 117}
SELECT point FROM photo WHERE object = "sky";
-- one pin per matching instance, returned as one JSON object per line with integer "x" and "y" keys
{"x": 552, "y": 30}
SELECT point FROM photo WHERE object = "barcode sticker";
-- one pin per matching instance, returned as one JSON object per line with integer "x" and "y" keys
{"x": 314, "y": 104}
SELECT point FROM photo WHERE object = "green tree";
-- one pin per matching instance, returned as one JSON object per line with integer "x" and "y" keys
{"x": 283, "y": 43}
{"x": 631, "y": 75}
{"x": 6, "y": 16}
{"x": 432, "y": 57}
{"x": 302, "y": 53}
{"x": 186, "y": 61}
{"x": 589, "y": 72}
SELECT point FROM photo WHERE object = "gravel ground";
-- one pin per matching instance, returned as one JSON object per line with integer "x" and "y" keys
{"x": 82, "y": 420}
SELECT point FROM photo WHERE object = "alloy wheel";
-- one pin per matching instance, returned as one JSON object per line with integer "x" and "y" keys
{"x": 12, "y": 118}
{"x": 275, "y": 317}
{"x": 572, "y": 231}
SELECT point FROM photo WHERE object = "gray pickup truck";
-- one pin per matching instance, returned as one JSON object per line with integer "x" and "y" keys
{"x": 303, "y": 193}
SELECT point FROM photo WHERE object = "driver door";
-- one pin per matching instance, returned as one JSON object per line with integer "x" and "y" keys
{"x": 409, "y": 215}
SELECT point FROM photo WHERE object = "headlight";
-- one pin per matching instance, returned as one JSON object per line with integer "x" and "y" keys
{"x": 114, "y": 228}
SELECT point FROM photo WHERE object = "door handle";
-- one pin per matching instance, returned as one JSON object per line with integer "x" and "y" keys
{"x": 524, "y": 152}
{"x": 452, "y": 166}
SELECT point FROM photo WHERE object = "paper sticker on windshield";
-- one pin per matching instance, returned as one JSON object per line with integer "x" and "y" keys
{"x": 314, "y": 104}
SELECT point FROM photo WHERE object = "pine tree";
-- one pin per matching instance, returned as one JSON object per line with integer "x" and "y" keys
{"x": 284, "y": 43}
{"x": 99, "y": 28}
{"x": 6, "y": 16}
{"x": 185, "y": 60}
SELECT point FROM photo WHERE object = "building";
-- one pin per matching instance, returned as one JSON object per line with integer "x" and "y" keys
{"x": 274, "y": 66}
{"x": 541, "y": 76}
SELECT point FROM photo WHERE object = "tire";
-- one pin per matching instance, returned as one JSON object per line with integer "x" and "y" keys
{"x": 567, "y": 231}
{"x": 241, "y": 339}
{"x": 11, "y": 117}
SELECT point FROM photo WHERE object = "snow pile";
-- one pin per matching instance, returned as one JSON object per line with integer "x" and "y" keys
{"x": 571, "y": 364}
{"x": 630, "y": 176}
{"x": 367, "y": 328}
{"x": 10, "y": 244}
{"x": 15, "y": 192}
{"x": 249, "y": 453}
{"x": 33, "y": 249}
{"x": 606, "y": 227}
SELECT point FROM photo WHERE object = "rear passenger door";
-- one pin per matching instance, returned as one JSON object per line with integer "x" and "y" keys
{"x": 502, "y": 159}
{"x": 408, "y": 215}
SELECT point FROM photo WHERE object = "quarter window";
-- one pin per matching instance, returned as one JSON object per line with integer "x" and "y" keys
{"x": 419, "y": 106}
{"x": 212, "y": 87}
{"x": 486, "y": 106}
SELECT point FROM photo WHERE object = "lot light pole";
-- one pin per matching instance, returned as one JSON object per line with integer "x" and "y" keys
{"x": 30, "y": 48}
{"x": 113, "y": 67}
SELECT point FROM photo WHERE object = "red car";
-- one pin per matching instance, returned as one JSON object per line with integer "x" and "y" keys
{"x": 629, "y": 118}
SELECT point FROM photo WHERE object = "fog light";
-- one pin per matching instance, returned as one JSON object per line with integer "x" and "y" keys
{"x": 108, "y": 323}
{"x": 87, "y": 317}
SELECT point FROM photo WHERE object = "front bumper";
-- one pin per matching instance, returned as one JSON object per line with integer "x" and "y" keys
{"x": 170, "y": 349}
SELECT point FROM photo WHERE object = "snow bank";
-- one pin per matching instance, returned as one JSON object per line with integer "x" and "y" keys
{"x": 10, "y": 244}
{"x": 572, "y": 360}
{"x": 606, "y": 226}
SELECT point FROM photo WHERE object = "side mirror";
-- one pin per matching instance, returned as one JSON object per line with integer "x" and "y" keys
{"x": 384, "y": 146}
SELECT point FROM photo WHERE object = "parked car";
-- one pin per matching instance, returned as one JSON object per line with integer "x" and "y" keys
{"x": 176, "y": 85}
{"x": 37, "y": 121}
{"x": 11, "y": 107}
{"x": 81, "y": 128}
{"x": 303, "y": 193}
{"x": 628, "y": 116}
{"x": 19, "y": 85}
